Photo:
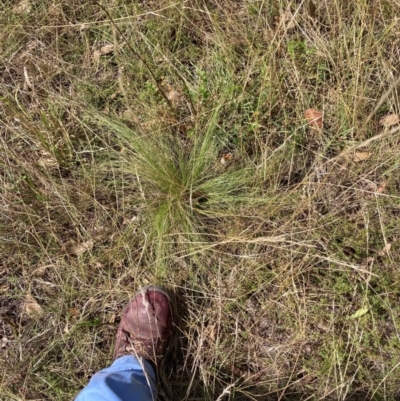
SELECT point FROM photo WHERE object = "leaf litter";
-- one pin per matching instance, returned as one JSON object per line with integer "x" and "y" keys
{"x": 361, "y": 156}
{"x": 31, "y": 307}
{"x": 74, "y": 248}
{"x": 389, "y": 120}
{"x": 104, "y": 50}
{"x": 314, "y": 118}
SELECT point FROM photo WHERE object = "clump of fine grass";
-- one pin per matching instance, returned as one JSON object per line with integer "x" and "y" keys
{"x": 185, "y": 188}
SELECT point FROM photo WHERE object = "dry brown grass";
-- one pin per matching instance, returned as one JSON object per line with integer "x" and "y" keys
{"x": 111, "y": 178}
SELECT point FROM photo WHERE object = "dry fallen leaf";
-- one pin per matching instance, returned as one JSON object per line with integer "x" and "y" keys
{"x": 381, "y": 188}
{"x": 361, "y": 156}
{"x": 4, "y": 288}
{"x": 74, "y": 312}
{"x": 31, "y": 307}
{"x": 40, "y": 271}
{"x": 389, "y": 120}
{"x": 173, "y": 94}
{"x": 313, "y": 118}
{"x": 180, "y": 261}
{"x": 106, "y": 49}
{"x": 73, "y": 248}
{"x": 96, "y": 55}
{"x": 47, "y": 160}
{"x": 226, "y": 157}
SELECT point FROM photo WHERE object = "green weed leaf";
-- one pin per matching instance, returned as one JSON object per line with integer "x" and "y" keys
{"x": 359, "y": 313}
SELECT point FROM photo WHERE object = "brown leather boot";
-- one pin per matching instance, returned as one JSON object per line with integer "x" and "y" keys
{"x": 146, "y": 324}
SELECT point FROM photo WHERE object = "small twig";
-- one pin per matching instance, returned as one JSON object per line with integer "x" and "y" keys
{"x": 132, "y": 114}
{"x": 365, "y": 143}
{"x": 27, "y": 81}
{"x": 376, "y": 137}
{"x": 137, "y": 55}
{"x": 227, "y": 391}
{"x": 381, "y": 100}
{"x": 140, "y": 185}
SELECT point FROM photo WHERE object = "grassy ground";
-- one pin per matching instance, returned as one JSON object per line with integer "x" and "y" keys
{"x": 165, "y": 142}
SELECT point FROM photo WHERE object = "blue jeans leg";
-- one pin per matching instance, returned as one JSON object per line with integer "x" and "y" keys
{"x": 127, "y": 379}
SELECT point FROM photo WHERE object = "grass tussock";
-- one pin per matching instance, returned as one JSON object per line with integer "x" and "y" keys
{"x": 165, "y": 142}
